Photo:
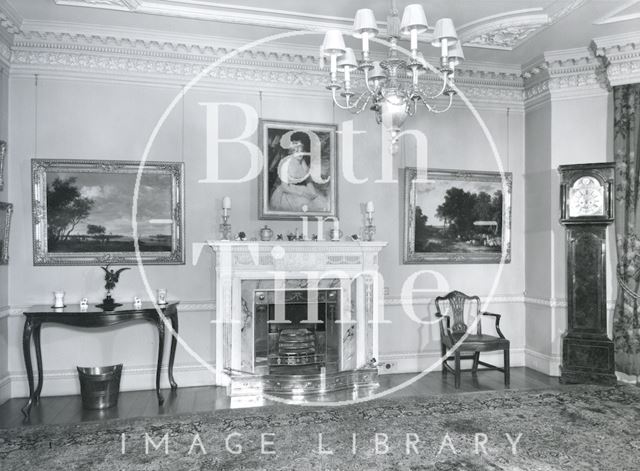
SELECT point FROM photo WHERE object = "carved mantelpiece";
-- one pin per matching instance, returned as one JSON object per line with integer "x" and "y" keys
{"x": 243, "y": 268}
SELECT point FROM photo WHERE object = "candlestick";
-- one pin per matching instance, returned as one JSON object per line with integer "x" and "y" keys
{"x": 369, "y": 231}
{"x": 225, "y": 227}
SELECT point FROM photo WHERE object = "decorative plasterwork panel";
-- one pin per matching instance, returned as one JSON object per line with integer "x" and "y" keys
{"x": 511, "y": 29}
{"x": 504, "y": 33}
{"x": 10, "y": 20}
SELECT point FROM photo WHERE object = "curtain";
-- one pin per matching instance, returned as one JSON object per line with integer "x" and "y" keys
{"x": 626, "y": 323}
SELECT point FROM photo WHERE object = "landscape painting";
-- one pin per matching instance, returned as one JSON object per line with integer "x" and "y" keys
{"x": 83, "y": 211}
{"x": 457, "y": 217}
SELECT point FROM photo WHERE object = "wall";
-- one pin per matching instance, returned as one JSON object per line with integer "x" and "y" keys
{"x": 89, "y": 117}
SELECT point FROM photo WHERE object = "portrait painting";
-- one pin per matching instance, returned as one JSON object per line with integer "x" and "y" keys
{"x": 83, "y": 212}
{"x": 299, "y": 176}
{"x": 456, "y": 216}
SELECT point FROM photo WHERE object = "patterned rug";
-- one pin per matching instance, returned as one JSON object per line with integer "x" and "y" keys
{"x": 576, "y": 428}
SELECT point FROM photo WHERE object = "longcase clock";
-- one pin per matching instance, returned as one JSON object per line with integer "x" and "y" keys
{"x": 587, "y": 202}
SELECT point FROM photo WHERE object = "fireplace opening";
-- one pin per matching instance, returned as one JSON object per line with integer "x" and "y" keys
{"x": 296, "y": 331}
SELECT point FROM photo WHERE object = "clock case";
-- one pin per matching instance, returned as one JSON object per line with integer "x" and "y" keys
{"x": 604, "y": 173}
{"x": 587, "y": 351}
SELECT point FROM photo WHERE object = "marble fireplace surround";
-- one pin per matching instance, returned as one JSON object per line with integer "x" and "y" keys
{"x": 242, "y": 268}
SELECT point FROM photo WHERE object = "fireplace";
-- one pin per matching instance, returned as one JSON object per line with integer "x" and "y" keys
{"x": 296, "y": 331}
{"x": 296, "y": 318}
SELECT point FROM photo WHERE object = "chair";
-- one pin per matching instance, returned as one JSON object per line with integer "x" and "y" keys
{"x": 473, "y": 344}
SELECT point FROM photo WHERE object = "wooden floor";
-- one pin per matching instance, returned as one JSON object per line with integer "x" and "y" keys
{"x": 68, "y": 409}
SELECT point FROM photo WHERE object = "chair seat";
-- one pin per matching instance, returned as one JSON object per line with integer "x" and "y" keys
{"x": 478, "y": 343}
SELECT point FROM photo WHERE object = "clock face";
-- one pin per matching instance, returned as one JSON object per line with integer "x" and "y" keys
{"x": 586, "y": 198}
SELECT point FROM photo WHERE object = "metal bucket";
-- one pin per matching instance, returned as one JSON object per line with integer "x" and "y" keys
{"x": 100, "y": 386}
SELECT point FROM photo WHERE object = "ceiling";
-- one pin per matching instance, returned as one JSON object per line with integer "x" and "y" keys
{"x": 496, "y": 31}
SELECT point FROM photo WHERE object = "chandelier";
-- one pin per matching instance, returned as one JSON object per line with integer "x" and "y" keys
{"x": 392, "y": 99}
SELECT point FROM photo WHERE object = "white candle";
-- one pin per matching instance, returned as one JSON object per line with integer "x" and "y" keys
{"x": 369, "y": 207}
{"x": 444, "y": 47}
{"x": 414, "y": 39}
{"x": 226, "y": 203}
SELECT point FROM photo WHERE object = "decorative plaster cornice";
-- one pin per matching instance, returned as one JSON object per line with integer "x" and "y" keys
{"x": 563, "y": 74}
{"x": 619, "y": 56}
{"x": 276, "y": 66}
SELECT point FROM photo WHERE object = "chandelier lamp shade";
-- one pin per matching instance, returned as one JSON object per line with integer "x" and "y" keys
{"x": 385, "y": 89}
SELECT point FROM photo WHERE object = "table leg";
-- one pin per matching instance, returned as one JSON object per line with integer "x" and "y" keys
{"x": 26, "y": 349}
{"x": 160, "y": 355}
{"x": 36, "y": 340}
{"x": 172, "y": 352}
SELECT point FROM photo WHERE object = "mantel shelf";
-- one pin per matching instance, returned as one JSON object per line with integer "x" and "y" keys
{"x": 300, "y": 246}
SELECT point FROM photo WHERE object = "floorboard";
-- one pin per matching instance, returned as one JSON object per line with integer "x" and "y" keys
{"x": 68, "y": 409}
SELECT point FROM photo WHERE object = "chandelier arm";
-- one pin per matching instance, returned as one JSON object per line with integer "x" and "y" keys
{"x": 412, "y": 107}
{"x": 366, "y": 82}
{"x": 357, "y": 107}
{"x": 445, "y": 82}
{"x": 436, "y": 111}
{"x": 347, "y": 106}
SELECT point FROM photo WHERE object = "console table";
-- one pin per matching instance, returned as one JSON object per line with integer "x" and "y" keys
{"x": 94, "y": 317}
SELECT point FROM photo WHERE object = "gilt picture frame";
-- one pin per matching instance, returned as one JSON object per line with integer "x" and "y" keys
{"x": 457, "y": 216}
{"x": 299, "y": 175}
{"x": 3, "y": 158}
{"x": 82, "y": 212}
{"x": 6, "y": 211}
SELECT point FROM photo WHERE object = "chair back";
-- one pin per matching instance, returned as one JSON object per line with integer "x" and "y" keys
{"x": 454, "y": 305}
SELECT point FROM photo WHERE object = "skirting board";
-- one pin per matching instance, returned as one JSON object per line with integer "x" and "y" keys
{"x": 415, "y": 363}
{"x": 65, "y": 382}
{"x": 549, "y": 365}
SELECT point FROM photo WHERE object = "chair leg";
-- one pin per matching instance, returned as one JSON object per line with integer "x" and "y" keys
{"x": 457, "y": 369}
{"x": 476, "y": 359}
{"x": 507, "y": 373}
{"x": 443, "y": 351}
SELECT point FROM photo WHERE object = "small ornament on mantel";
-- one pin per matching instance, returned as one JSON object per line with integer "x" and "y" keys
{"x": 111, "y": 278}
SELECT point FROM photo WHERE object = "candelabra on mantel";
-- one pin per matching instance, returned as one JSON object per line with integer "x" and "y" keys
{"x": 225, "y": 227}
{"x": 369, "y": 229}
{"x": 392, "y": 100}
